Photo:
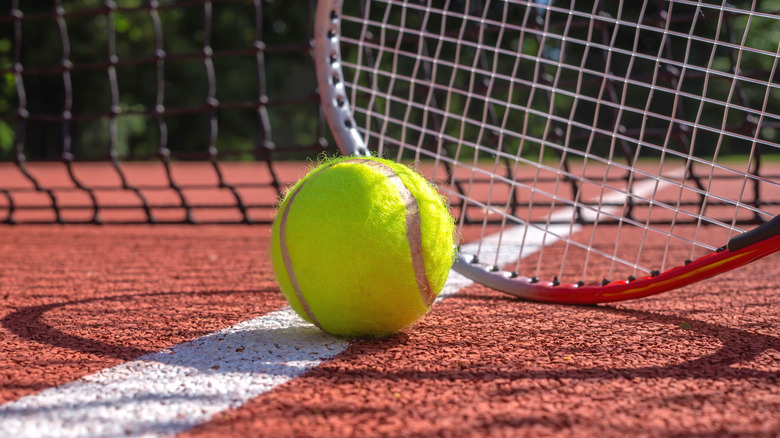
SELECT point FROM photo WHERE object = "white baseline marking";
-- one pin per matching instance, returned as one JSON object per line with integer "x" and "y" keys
{"x": 176, "y": 389}
{"x": 173, "y": 390}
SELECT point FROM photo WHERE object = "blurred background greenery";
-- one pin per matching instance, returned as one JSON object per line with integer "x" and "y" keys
{"x": 285, "y": 83}
{"x": 260, "y": 51}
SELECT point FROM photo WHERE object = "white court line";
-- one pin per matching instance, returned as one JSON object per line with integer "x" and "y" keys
{"x": 176, "y": 389}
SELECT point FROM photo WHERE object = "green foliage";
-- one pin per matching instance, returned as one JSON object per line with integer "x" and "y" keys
{"x": 179, "y": 81}
{"x": 550, "y": 69}
{"x": 160, "y": 60}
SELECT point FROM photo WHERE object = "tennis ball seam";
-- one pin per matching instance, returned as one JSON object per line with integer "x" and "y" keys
{"x": 413, "y": 235}
{"x": 288, "y": 261}
{"x": 413, "y": 228}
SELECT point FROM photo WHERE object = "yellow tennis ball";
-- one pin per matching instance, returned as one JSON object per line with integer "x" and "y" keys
{"x": 361, "y": 247}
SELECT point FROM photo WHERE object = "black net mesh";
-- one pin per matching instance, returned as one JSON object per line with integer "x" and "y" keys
{"x": 153, "y": 111}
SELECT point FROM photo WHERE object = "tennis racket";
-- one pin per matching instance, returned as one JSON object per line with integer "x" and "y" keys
{"x": 592, "y": 151}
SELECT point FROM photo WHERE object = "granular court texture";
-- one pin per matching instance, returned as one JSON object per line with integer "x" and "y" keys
{"x": 702, "y": 361}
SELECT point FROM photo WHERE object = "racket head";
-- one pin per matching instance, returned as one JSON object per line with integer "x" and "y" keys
{"x": 581, "y": 186}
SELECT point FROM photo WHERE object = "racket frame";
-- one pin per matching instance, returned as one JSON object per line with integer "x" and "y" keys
{"x": 742, "y": 249}
{"x": 330, "y": 79}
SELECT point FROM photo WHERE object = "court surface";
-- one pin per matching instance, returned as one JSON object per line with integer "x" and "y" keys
{"x": 181, "y": 330}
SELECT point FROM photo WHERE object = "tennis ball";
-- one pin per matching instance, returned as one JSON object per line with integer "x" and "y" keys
{"x": 361, "y": 247}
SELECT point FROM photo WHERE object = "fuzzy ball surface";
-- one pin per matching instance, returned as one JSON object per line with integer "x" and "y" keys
{"x": 361, "y": 247}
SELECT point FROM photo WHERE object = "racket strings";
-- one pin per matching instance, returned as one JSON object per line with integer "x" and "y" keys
{"x": 539, "y": 114}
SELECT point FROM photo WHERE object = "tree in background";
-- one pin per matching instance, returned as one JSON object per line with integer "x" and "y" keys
{"x": 76, "y": 44}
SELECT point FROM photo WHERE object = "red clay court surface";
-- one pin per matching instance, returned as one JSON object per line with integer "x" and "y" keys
{"x": 701, "y": 361}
